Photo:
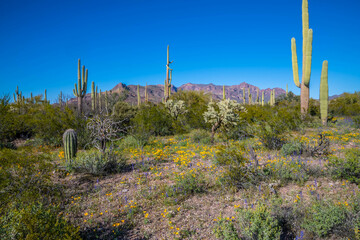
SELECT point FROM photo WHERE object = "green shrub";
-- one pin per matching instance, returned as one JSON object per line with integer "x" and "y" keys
{"x": 238, "y": 171}
{"x": 25, "y": 176}
{"x": 191, "y": 182}
{"x": 200, "y": 136}
{"x": 225, "y": 229}
{"x": 347, "y": 168}
{"x": 152, "y": 120}
{"x": 287, "y": 170}
{"x": 36, "y": 221}
{"x": 356, "y": 121}
{"x": 323, "y": 217}
{"x": 96, "y": 163}
{"x": 196, "y": 103}
{"x": 258, "y": 223}
{"x": 291, "y": 148}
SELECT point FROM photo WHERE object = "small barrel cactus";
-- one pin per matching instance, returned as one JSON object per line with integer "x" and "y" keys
{"x": 70, "y": 144}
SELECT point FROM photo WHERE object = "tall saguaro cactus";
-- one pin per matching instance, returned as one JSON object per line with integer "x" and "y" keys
{"x": 100, "y": 101}
{"x": 93, "y": 97}
{"x": 138, "y": 95}
{"x": 244, "y": 102}
{"x": 224, "y": 95}
{"x": 146, "y": 94}
{"x": 262, "y": 99}
{"x": 80, "y": 88}
{"x": 167, "y": 85}
{"x": 306, "y": 63}
{"x": 257, "y": 96}
{"x": 324, "y": 93}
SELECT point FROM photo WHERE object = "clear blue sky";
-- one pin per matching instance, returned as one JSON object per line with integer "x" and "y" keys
{"x": 221, "y": 42}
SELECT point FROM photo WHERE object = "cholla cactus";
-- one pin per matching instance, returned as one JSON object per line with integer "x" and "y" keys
{"x": 222, "y": 115}
{"x": 175, "y": 108}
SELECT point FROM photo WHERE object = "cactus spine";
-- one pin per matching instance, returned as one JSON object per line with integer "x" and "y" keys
{"x": 324, "y": 93}
{"x": 70, "y": 144}
{"x": 93, "y": 97}
{"x": 138, "y": 95}
{"x": 224, "y": 95}
{"x": 167, "y": 85}
{"x": 306, "y": 65}
{"x": 80, "y": 88}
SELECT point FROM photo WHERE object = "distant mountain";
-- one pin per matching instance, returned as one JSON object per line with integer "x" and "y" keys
{"x": 156, "y": 92}
{"x": 234, "y": 92}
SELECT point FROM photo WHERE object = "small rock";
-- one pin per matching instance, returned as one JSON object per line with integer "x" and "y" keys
{"x": 125, "y": 190}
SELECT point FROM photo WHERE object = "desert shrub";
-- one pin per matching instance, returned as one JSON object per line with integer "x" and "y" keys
{"x": 320, "y": 147}
{"x": 287, "y": 170}
{"x": 225, "y": 229}
{"x": 36, "y": 221}
{"x": 152, "y": 120}
{"x": 128, "y": 142}
{"x": 347, "y": 167}
{"x": 238, "y": 171}
{"x": 27, "y": 197}
{"x": 345, "y": 105}
{"x": 291, "y": 148}
{"x": 122, "y": 113}
{"x": 200, "y": 136}
{"x": 97, "y": 163}
{"x": 324, "y": 217}
{"x": 270, "y": 125}
{"x": 25, "y": 175}
{"x": 258, "y": 223}
{"x": 191, "y": 182}
{"x": 196, "y": 104}
{"x": 356, "y": 121}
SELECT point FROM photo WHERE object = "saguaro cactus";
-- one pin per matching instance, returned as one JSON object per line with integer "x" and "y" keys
{"x": 80, "y": 88}
{"x": 224, "y": 95}
{"x": 70, "y": 144}
{"x": 18, "y": 95}
{"x": 138, "y": 95}
{"x": 106, "y": 102}
{"x": 100, "y": 101}
{"x": 287, "y": 91}
{"x": 146, "y": 95}
{"x": 324, "y": 93}
{"x": 60, "y": 98}
{"x": 306, "y": 65}
{"x": 249, "y": 96}
{"x": 244, "y": 102}
{"x": 262, "y": 98}
{"x": 45, "y": 96}
{"x": 93, "y": 97}
{"x": 167, "y": 85}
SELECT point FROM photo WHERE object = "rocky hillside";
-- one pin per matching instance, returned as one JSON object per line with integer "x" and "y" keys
{"x": 234, "y": 92}
{"x": 156, "y": 92}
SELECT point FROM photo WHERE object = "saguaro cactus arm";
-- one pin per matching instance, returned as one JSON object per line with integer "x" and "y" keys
{"x": 324, "y": 93}
{"x": 295, "y": 63}
{"x": 308, "y": 55}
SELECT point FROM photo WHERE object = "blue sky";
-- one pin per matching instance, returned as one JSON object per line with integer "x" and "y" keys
{"x": 221, "y": 42}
